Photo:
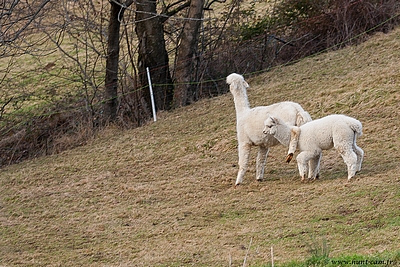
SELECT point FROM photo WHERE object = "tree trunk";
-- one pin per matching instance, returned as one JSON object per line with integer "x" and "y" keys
{"x": 153, "y": 54}
{"x": 186, "y": 54}
{"x": 111, "y": 79}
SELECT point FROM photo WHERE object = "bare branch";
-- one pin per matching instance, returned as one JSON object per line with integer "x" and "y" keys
{"x": 30, "y": 17}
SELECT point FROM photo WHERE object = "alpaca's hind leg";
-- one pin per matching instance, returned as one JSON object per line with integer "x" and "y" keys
{"x": 350, "y": 158}
{"x": 314, "y": 166}
{"x": 261, "y": 161}
{"x": 360, "y": 155}
{"x": 244, "y": 152}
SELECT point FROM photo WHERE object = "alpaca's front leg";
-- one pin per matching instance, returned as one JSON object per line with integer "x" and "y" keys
{"x": 261, "y": 161}
{"x": 302, "y": 163}
{"x": 244, "y": 152}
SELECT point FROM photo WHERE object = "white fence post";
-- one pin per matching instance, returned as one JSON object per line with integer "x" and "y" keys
{"x": 153, "y": 105}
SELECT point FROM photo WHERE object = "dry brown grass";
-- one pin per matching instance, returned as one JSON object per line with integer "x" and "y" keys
{"x": 163, "y": 195}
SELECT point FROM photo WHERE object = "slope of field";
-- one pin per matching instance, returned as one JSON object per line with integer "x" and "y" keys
{"x": 163, "y": 195}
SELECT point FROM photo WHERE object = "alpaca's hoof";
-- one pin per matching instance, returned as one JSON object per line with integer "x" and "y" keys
{"x": 236, "y": 186}
{"x": 289, "y": 157}
{"x": 238, "y": 181}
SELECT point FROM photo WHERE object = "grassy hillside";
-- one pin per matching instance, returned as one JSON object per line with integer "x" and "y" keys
{"x": 163, "y": 195}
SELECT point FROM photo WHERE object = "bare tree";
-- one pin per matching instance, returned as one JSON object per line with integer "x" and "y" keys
{"x": 186, "y": 53}
{"x": 17, "y": 20}
{"x": 153, "y": 53}
{"x": 117, "y": 10}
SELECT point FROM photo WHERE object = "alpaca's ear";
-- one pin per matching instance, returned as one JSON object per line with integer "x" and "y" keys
{"x": 245, "y": 84}
{"x": 274, "y": 121}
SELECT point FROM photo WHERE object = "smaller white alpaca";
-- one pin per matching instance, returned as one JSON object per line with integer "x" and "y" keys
{"x": 338, "y": 131}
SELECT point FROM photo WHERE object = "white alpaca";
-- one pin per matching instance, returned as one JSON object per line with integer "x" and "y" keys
{"x": 338, "y": 131}
{"x": 249, "y": 125}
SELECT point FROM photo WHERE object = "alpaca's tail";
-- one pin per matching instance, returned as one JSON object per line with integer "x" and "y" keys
{"x": 235, "y": 80}
{"x": 356, "y": 126}
{"x": 302, "y": 118}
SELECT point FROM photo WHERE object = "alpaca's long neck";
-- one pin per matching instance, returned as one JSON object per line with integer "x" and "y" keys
{"x": 283, "y": 134}
{"x": 241, "y": 101}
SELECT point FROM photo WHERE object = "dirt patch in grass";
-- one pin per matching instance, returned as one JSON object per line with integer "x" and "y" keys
{"x": 163, "y": 195}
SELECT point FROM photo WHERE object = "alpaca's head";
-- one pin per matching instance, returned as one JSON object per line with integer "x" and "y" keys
{"x": 270, "y": 125}
{"x": 236, "y": 82}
